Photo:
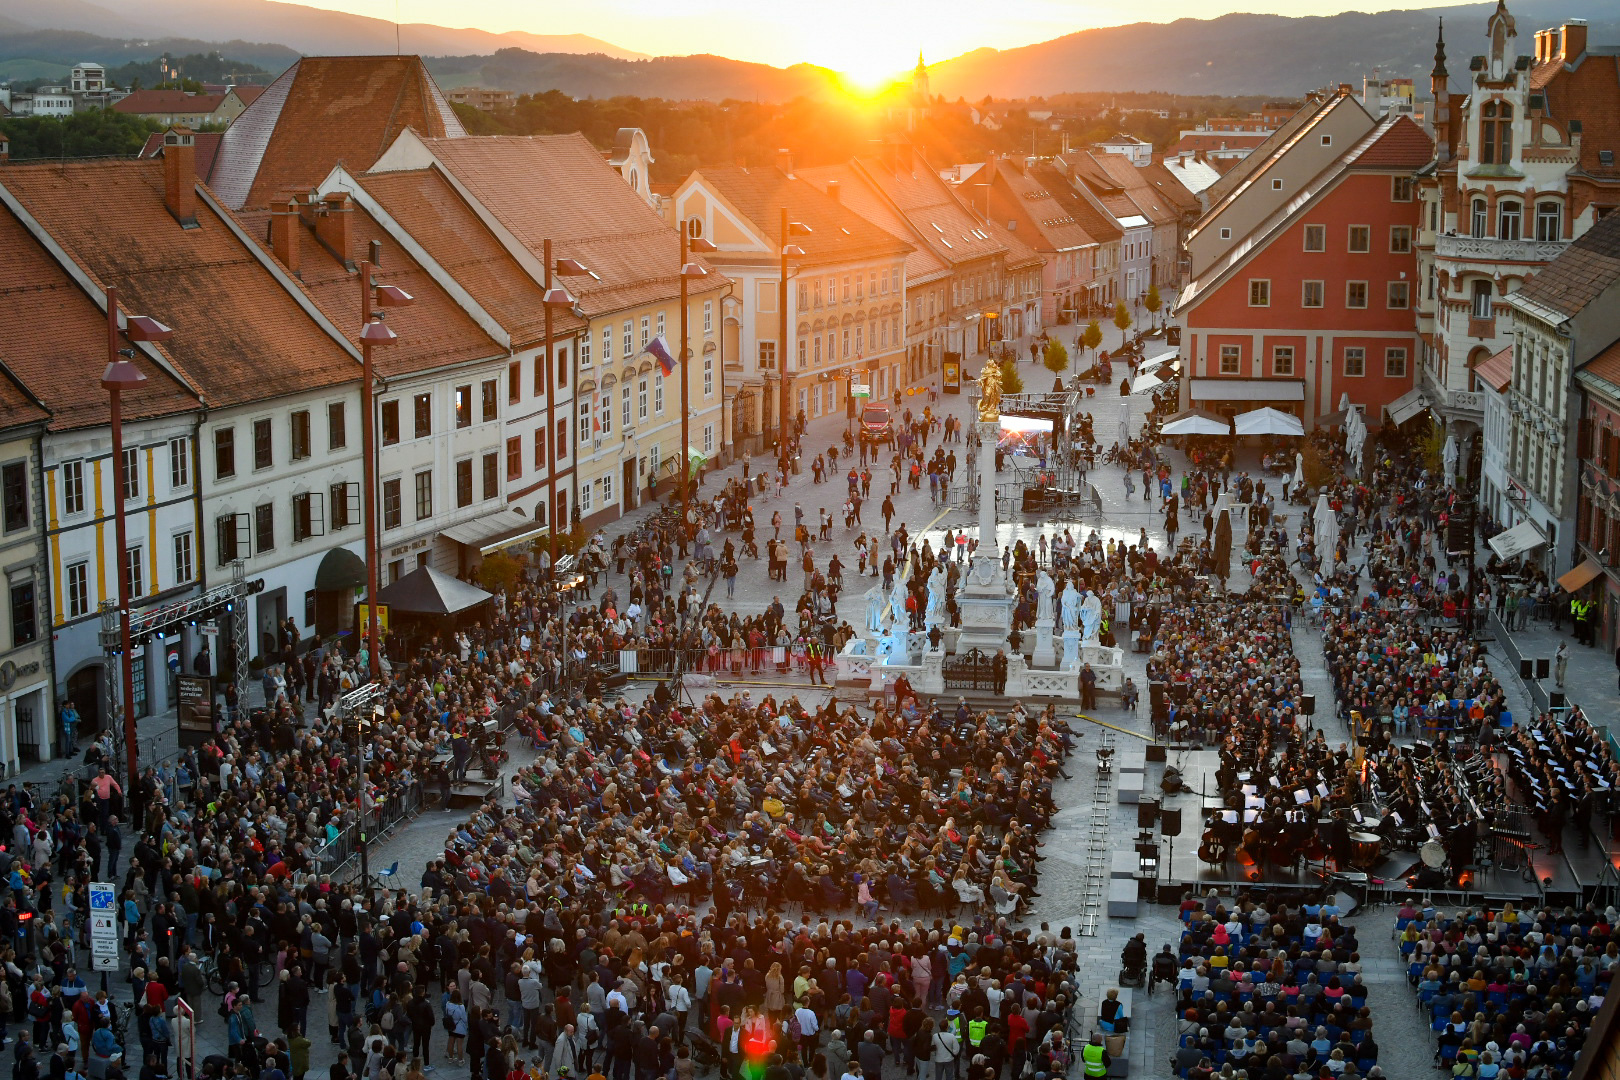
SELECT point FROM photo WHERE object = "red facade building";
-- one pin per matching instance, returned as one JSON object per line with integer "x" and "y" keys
{"x": 1315, "y": 301}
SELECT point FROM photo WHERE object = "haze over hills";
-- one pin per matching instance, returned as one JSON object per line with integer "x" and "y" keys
{"x": 305, "y": 29}
{"x": 1231, "y": 55}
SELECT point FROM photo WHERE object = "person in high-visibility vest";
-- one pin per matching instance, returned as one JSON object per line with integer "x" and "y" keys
{"x": 1095, "y": 1057}
{"x": 978, "y": 1028}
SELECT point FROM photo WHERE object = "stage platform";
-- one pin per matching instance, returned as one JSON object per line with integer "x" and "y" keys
{"x": 1562, "y": 878}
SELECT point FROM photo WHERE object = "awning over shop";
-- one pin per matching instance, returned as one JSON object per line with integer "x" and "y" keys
{"x": 425, "y": 591}
{"x": 1516, "y": 541}
{"x": 492, "y": 532}
{"x": 1582, "y": 576}
{"x": 1207, "y": 389}
{"x": 340, "y": 569}
{"x": 1406, "y": 406}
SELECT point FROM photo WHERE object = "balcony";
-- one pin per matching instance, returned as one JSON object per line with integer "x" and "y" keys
{"x": 1488, "y": 249}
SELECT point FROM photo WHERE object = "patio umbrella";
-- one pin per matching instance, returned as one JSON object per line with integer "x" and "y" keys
{"x": 1355, "y": 435}
{"x": 1196, "y": 422}
{"x": 1448, "y": 457}
{"x": 1145, "y": 382}
{"x": 1267, "y": 421}
{"x": 1327, "y": 532}
{"x": 1223, "y": 546}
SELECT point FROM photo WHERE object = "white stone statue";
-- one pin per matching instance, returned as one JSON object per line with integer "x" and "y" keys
{"x": 934, "y": 615}
{"x": 1090, "y": 618}
{"x": 874, "y": 609}
{"x": 1071, "y": 607}
{"x": 1044, "y": 589}
{"x": 897, "y": 600}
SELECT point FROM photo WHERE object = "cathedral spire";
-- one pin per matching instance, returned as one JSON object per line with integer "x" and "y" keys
{"x": 1439, "y": 71}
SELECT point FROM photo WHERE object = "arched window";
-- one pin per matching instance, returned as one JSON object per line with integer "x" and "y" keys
{"x": 1496, "y": 134}
{"x": 1549, "y": 221}
{"x": 1508, "y": 220}
{"x": 1481, "y": 221}
{"x": 694, "y": 229}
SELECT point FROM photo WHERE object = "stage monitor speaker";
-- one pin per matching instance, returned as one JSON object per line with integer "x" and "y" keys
{"x": 1147, "y": 813}
{"x": 1156, "y": 752}
{"x": 1307, "y": 704}
{"x": 1543, "y": 667}
{"x": 1170, "y": 821}
{"x": 1557, "y": 700}
{"x": 1526, "y": 669}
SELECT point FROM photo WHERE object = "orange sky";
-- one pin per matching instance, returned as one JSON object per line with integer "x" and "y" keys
{"x": 866, "y": 38}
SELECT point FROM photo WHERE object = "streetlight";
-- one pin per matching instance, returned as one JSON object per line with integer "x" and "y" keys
{"x": 556, "y": 296}
{"x": 789, "y": 251}
{"x": 690, "y": 271}
{"x": 121, "y": 375}
{"x": 373, "y": 332}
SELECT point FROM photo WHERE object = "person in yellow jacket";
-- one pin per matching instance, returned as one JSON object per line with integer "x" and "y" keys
{"x": 1095, "y": 1057}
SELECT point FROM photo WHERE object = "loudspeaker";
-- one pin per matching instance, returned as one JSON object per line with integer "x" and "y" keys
{"x": 1557, "y": 700}
{"x": 1156, "y": 752}
{"x": 1543, "y": 667}
{"x": 1525, "y": 669}
{"x": 1156, "y": 693}
{"x": 1307, "y": 704}
{"x": 1170, "y": 821}
{"x": 1147, "y": 812}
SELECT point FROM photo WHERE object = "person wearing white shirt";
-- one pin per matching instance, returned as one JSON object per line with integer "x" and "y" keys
{"x": 678, "y": 999}
{"x": 809, "y": 1027}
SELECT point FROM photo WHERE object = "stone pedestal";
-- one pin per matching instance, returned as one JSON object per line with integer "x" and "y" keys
{"x": 1071, "y": 649}
{"x": 1017, "y": 677}
{"x": 1045, "y": 654}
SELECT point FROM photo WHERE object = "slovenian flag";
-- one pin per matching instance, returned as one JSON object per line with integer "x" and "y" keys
{"x": 661, "y": 352}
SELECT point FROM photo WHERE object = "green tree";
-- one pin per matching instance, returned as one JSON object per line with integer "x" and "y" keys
{"x": 1056, "y": 357}
{"x": 1431, "y": 446}
{"x": 1152, "y": 301}
{"x": 92, "y": 133}
{"x": 1092, "y": 338}
{"x": 499, "y": 572}
{"x": 1122, "y": 319}
{"x": 1011, "y": 381}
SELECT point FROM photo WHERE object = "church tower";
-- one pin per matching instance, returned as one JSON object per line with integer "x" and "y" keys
{"x": 920, "y": 96}
{"x": 1438, "y": 79}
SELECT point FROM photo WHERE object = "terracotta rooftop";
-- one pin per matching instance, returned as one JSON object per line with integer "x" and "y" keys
{"x": 1589, "y": 93}
{"x": 1402, "y": 144}
{"x": 560, "y": 187}
{"x": 425, "y": 204}
{"x": 62, "y": 368}
{"x": 1496, "y": 371}
{"x": 1581, "y": 272}
{"x": 142, "y": 102}
{"x": 1216, "y": 142}
{"x": 1036, "y": 197}
{"x": 434, "y": 332}
{"x": 247, "y": 93}
{"x": 207, "y": 143}
{"x": 240, "y": 333}
{"x": 837, "y": 232}
{"x": 936, "y": 214}
{"x": 1090, "y": 222}
{"x": 1170, "y": 188}
{"x": 859, "y": 194}
{"x": 323, "y": 111}
{"x": 18, "y": 406}
{"x": 1605, "y": 365}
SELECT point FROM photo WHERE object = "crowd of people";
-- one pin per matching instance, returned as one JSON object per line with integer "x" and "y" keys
{"x": 1271, "y": 989}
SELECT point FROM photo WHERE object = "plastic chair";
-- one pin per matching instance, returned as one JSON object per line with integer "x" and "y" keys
{"x": 384, "y": 876}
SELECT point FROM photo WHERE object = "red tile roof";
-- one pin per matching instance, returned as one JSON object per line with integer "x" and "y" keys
{"x": 1042, "y": 198}
{"x": 1581, "y": 272}
{"x": 858, "y": 193}
{"x": 425, "y": 205}
{"x": 559, "y": 187}
{"x": 207, "y": 143}
{"x": 18, "y": 407}
{"x": 1401, "y": 145}
{"x": 1170, "y": 188}
{"x": 434, "y": 332}
{"x": 1589, "y": 93}
{"x": 321, "y": 111}
{"x": 933, "y": 210}
{"x": 1092, "y": 223}
{"x": 60, "y": 368}
{"x": 1216, "y": 141}
{"x": 1496, "y": 371}
{"x": 163, "y": 102}
{"x": 248, "y": 94}
{"x": 240, "y": 333}
{"x": 1605, "y": 365}
{"x": 838, "y": 232}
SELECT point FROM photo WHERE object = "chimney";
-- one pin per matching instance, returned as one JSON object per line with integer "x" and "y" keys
{"x": 1574, "y": 40}
{"x": 180, "y": 175}
{"x": 332, "y": 226}
{"x": 784, "y": 160}
{"x": 284, "y": 234}
{"x": 832, "y": 190}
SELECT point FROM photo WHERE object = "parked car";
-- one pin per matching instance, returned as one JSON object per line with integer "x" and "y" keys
{"x": 876, "y": 425}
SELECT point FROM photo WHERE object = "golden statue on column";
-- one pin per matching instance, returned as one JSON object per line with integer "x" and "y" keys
{"x": 990, "y": 392}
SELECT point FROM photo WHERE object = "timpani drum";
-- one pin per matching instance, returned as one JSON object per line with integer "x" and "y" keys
{"x": 1365, "y": 848}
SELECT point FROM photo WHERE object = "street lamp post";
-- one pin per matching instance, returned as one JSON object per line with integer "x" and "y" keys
{"x": 121, "y": 375}
{"x": 373, "y": 332}
{"x": 556, "y": 296}
{"x": 789, "y": 250}
{"x": 689, "y": 271}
